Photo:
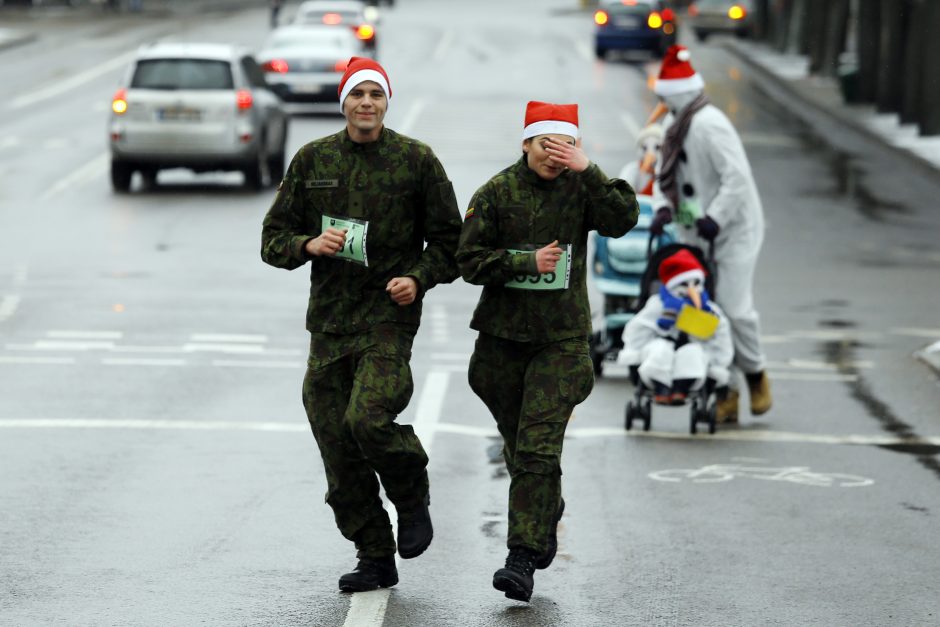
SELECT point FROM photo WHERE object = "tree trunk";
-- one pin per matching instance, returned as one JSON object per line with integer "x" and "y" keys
{"x": 891, "y": 55}
{"x": 869, "y": 47}
{"x": 834, "y": 36}
{"x": 913, "y": 75}
{"x": 816, "y": 27}
{"x": 930, "y": 86}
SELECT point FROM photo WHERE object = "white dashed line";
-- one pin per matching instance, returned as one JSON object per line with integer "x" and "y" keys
{"x": 8, "y": 306}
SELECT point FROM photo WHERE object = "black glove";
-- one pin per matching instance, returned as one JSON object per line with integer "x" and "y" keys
{"x": 662, "y": 218}
{"x": 708, "y": 229}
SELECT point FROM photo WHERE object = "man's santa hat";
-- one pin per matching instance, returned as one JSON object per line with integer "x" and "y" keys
{"x": 676, "y": 75}
{"x": 358, "y": 71}
{"x": 543, "y": 118}
{"x": 680, "y": 268}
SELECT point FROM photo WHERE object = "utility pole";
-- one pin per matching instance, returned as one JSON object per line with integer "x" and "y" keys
{"x": 930, "y": 85}
{"x": 913, "y": 69}
{"x": 891, "y": 55}
{"x": 869, "y": 46}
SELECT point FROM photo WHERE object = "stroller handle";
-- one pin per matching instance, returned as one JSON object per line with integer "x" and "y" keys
{"x": 649, "y": 248}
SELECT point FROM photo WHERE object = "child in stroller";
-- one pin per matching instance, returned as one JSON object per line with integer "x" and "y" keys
{"x": 678, "y": 346}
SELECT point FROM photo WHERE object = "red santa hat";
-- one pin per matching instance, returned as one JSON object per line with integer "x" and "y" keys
{"x": 542, "y": 118}
{"x": 358, "y": 71}
{"x": 679, "y": 268}
{"x": 676, "y": 75}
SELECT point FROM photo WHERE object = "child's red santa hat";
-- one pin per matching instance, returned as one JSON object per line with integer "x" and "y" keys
{"x": 358, "y": 71}
{"x": 676, "y": 75}
{"x": 543, "y": 118}
{"x": 679, "y": 268}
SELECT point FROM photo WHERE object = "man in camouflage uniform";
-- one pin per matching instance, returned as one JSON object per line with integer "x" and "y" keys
{"x": 524, "y": 239}
{"x": 359, "y": 206}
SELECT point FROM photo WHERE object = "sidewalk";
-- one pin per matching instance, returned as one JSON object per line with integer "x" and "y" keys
{"x": 790, "y": 72}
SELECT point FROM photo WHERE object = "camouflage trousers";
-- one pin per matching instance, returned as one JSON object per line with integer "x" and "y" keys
{"x": 531, "y": 390}
{"x": 355, "y": 387}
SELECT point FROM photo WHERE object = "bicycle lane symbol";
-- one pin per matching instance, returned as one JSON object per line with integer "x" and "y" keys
{"x": 802, "y": 475}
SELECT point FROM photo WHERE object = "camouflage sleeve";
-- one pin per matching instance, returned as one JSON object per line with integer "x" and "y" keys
{"x": 441, "y": 230}
{"x": 282, "y": 232}
{"x": 612, "y": 206}
{"x": 481, "y": 261}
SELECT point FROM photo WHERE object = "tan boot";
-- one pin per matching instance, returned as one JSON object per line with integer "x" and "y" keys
{"x": 761, "y": 400}
{"x": 726, "y": 410}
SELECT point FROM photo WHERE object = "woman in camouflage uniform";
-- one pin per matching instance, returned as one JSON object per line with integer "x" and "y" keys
{"x": 524, "y": 239}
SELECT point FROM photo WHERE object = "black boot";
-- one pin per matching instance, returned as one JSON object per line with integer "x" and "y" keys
{"x": 516, "y": 578}
{"x": 370, "y": 573}
{"x": 415, "y": 530}
{"x": 546, "y": 560}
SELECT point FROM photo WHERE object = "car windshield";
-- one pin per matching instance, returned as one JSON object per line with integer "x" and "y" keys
{"x": 182, "y": 74}
{"x": 334, "y": 38}
{"x": 320, "y": 16}
{"x": 722, "y": 4}
{"x": 632, "y": 8}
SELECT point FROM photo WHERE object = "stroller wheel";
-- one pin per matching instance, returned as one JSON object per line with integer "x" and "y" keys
{"x": 694, "y": 417}
{"x": 630, "y": 413}
{"x": 712, "y": 413}
{"x": 647, "y": 414}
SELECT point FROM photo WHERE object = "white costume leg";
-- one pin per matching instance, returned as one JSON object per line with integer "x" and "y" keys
{"x": 657, "y": 362}
{"x": 690, "y": 362}
{"x": 735, "y": 296}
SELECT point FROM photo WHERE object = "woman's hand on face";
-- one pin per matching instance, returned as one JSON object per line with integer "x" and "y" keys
{"x": 568, "y": 155}
{"x": 547, "y": 258}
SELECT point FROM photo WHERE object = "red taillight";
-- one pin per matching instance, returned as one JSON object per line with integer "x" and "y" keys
{"x": 340, "y": 66}
{"x": 332, "y": 19}
{"x": 693, "y": 10}
{"x": 655, "y": 20}
{"x": 737, "y": 12}
{"x": 278, "y": 66}
{"x": 119, "y": 101}
{"x": 601, "y": 18}
{"x": 243, "y": 100}
{"x": 365, "y": 32}
{"x": 669, "y": 15}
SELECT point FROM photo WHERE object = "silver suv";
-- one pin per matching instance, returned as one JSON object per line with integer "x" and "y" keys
{"x": 204, "y": 107}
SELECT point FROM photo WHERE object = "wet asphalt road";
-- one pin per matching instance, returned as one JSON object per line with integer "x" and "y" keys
{"x": 156, "y": 465}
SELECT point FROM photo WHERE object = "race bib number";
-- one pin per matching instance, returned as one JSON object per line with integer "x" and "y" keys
{"x": 689, "y": 212}
{"x": 354, "y": 249}
{"x": 557, "y": 280}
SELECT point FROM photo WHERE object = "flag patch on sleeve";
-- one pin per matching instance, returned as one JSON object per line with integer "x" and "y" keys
{"x": 469, "y": 214}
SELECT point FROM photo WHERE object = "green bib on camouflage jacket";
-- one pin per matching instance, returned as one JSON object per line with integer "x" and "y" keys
{"x": 517, "y": 209}
{"x": 399, "y": 187}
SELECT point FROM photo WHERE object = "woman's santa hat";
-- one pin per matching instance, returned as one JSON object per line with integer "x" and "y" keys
{"x": 680, "y": 268}
{"x": 358, "y": 71}
{"x": 543, "y": 118}
{"x": 676, "y": 75}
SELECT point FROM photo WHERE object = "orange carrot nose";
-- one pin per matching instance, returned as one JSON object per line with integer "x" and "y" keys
{"x": 660, "y": 110}
{"x": 647, "y": 163}
{"x": 695, "y": 297}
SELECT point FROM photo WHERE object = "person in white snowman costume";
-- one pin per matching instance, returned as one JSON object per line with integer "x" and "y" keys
{"x": 704, "y": 183}
{"x": 670, "y": 361}
{"x": 641, "y": 172}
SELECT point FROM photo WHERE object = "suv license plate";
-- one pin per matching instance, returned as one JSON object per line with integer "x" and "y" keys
{"x": 179, "y": 114}
{"x": 306, "y": 88}
{"x": 627, "y": 22}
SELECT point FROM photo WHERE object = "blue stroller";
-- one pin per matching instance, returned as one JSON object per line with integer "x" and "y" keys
{"x": 618, "y": 268}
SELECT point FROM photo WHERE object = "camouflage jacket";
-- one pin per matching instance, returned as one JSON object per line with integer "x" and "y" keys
{"x": 518, "y": 210}
{"x": 399, "y": 187}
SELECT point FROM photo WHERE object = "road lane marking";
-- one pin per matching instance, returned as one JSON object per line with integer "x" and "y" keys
{"x": 62, "y": 86}
{"x": 429, "y": 424}
{"x": 443, "y": 45}
{"x": 801, "y": 475}
{"x": 368, "y": 609}
{"x": 411, "y": 118}
{"x": 38, "y": 361}
{"x": 927, "y": 333}
{"x": 8, "y": 306}
{"x": 227, "y": 337}
{"x": 142, "y": 361}
{"x": 233, "y": 363}
{"x": 95, "y": 168}
{"x": 85, "y": 335}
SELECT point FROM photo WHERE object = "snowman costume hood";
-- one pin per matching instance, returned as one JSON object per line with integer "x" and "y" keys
{"x": 714, "y": 179}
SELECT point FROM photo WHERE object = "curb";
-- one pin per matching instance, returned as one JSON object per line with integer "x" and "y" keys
{"x": 836, "y": 114}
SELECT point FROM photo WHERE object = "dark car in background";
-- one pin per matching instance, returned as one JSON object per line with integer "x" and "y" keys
{"x": 624, "y": 25}
{"x": 729, "y": 17}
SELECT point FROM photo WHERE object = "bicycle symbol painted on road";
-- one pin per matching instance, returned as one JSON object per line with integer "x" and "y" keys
{"x": 716, "y": 473}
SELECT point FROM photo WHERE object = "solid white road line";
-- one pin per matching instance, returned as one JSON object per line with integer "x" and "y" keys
{"x": 227, "y": 337}
{"x": 38, "y": 361}
{"x": 368, "y": 609}
{"x": 411, "y": 118}
{"x": 232, "y": 363}
{"x": 443, "y": 45}
{"x": 140, "y": 361}
{"x": 8, "y": 306}
{"x": 62, "y": 86}
{"x": 84, "y": 335}
{"x": 91, "y": 170}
